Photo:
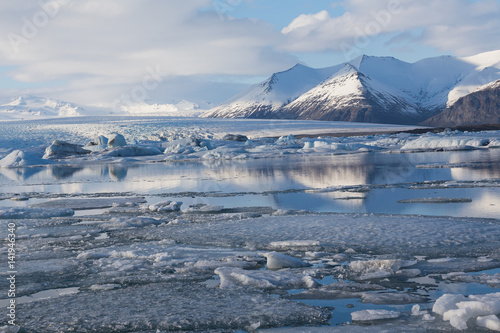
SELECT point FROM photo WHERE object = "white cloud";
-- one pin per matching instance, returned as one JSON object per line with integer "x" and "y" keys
{"x": 96, "y": 45}
{"x": 462, "y": 27}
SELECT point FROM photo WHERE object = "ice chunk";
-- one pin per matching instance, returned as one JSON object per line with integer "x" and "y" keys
{"x": 231, "y": 277}
{"x": 415, "y": 311}
{"x": 457, "y": 309}
{"x": 368, "y": 315}
{"x": 34, "y": 213}
{"x": 490, "y": 322}
{"x": 165, "y": 206}
{"x": 377, "y": 269}
{"x": 286, "y": 140}
{"x": 19, "y": 158}
{"x": 279, "y": 260}
{"x": 186, "y": 146}
{"x": 116, "y": 140}
{"x": 60, "y": 149}
{"x": 99, "y": 143}
{"x": 100, "y": 140}
{"x": 447, "y": 302}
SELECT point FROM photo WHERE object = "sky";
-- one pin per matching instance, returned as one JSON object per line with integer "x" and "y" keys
{"x": 115, "y": 52}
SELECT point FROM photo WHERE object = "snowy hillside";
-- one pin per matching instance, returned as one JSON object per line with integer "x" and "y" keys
{"x": 479, "y": 107}
{"x": 32, "y": 107}
{"x": 350, "y": 95}
{"x": 264, "y": 100}
{"x": 371, "y": 89}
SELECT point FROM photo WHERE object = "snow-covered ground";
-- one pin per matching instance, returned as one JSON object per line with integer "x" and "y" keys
{"x": 128, "y": 225}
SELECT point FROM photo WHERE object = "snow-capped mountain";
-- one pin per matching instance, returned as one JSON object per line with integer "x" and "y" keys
{"x": 368, "y": 89}
{"x": 266, "y": 99}
{"x": 32, "y": 107}
{"x": 479, "y": 107}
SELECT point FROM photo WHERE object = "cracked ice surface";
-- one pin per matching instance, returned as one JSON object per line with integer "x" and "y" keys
{"x": 164, "y": 306}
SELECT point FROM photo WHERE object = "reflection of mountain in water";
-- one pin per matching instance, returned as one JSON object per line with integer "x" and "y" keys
{"x": 266, "y": 180}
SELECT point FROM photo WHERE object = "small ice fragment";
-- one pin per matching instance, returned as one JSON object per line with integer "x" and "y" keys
{"x": 428, "y": 317}
{"x": 278, "y": 261}
{"x": 415, "y": 311}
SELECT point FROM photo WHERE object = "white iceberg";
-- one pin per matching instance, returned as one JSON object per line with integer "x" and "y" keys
{"x": 116, "y": 140}
{"x": 59, "y": 149}
{"x": 19, "y": 158}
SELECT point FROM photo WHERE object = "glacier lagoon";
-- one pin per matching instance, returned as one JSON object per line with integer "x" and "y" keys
{"x": 356, "y": 240}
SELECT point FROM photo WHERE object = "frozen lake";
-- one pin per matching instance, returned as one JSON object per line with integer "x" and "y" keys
{"x": 357, "y": 234}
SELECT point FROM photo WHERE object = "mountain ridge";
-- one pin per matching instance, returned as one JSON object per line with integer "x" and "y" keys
{"x": 393, "y": 91}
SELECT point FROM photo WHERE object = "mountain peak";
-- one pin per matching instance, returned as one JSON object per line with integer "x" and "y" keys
{"x": 382, "y": 89}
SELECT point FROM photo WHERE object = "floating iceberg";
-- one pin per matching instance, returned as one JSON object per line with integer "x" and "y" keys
{"x": 61, "y": 149}
{"x": 19, "y": 158}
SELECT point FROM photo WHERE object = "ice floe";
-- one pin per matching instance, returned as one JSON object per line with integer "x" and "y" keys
{"x": 231, "y": 277}
{"x": 369, "y": 315}
{"x": 166, "y": 307}
{"x": 165, "y": 206}
{"x": 34, "y": 213}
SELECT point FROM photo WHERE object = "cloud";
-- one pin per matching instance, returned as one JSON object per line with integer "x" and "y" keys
{"x": 100, "y": 45}
{"x": 463, "y": 27}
